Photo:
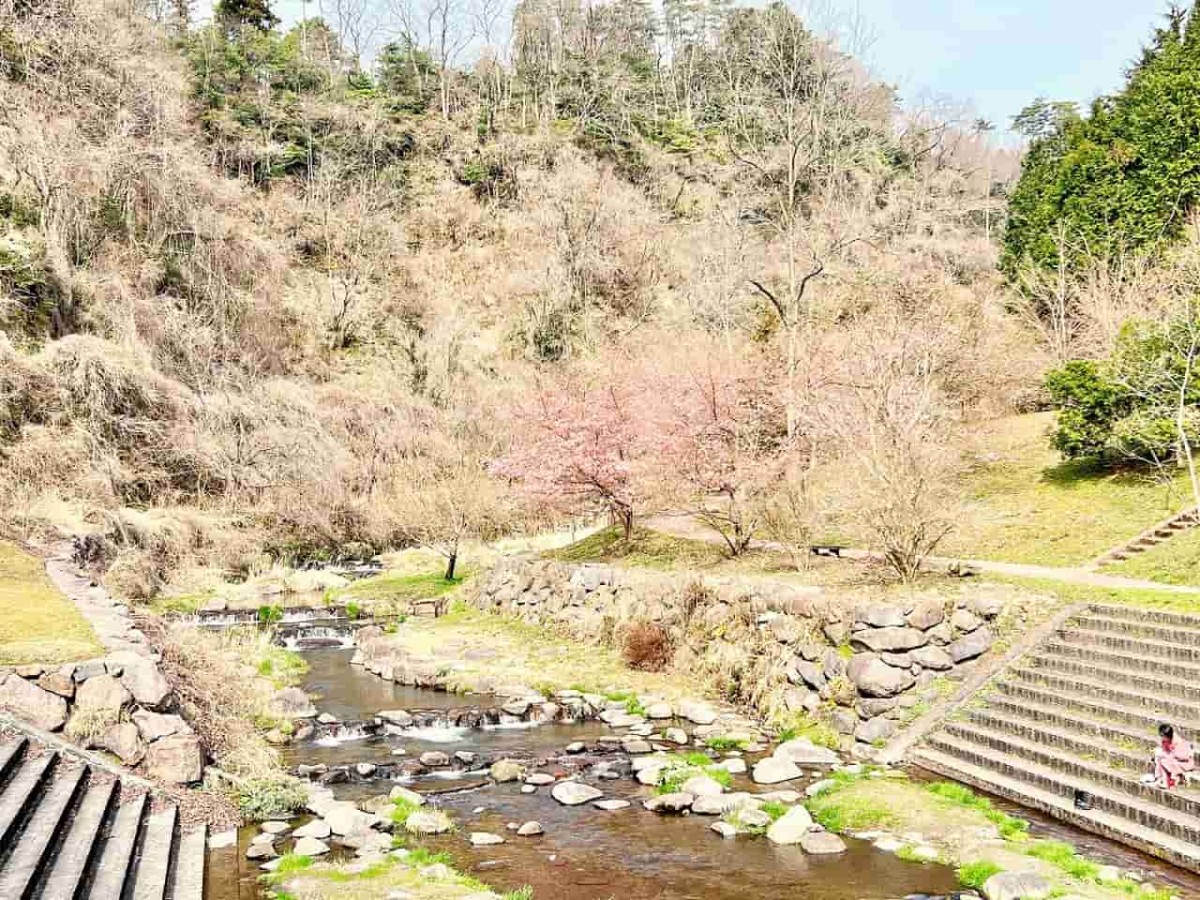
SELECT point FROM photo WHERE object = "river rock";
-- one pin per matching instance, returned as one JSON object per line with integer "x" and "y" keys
{"x": 747, "y": 817}
{"x": 675, "y": 736}
{"x": 540, "y": 779}
{"x": 573, "y": 793}
{"x": 142, "y": 678}
{"x": 485, "y": 839}
{"x": 875, "y": 678}
{"x": 618, "y": 718}
{"x": 275, "y": 827}
{"x": 261, "y": 851}
{"x": 428, "y": 821}
{"x": 504, "y": 770}
{"x": 345, "y": 819}
{"x": 670, "y": 803}
{"x": 932, "y": 657}
{"x": 530, "y": 829}
{"x": 176, "y": 759}
{"x": 123, "y": 741}
{"x": 637, "y": 746}
{"x": 702, "y": 786}
{"x": 880, "y": 615}
{"x": 775, "y": 769}
{"x": 611, "y": 805}
{"x": 659, "y": 711}
{"x": 399, "y": 792}
{"x": 317, "y": 828}
{"x": 724, "y": 829}
{"x": 971, "y": 645}
{"x": 734, "y": 766}
{"x": 821, "y": 843}
{"x": 819, "y": 787}
{"x": 927, "y": 613}
{"x": 310, "y": 846}
{"x": 877, "y": 729}
{"x": 434, "y": 758}
{"x": 697, "y": 713}
{"x": 398, "y": 717}
{"x": 804, "y": 752}
{"x": 576, "y": 747}
{"x": 27, "y": 701}
{"x": 327, "y": 719}
{"x": 880, "y": 639}
{"x": 293, "y": 703}
{"x": 1016, "y": 886}
{"x": 791, "y": 827}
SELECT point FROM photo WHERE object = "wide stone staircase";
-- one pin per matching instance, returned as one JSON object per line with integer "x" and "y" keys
{"x": 70, "y": 830}
{"x": 1071, "y": 727}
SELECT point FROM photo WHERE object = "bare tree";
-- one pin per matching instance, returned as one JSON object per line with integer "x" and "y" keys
{"x": 441, "y": 28}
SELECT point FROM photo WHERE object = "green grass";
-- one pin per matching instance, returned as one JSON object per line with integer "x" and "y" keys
{"x": 1064, "y": 857}
{"x": 284, "y": 667}
{"x": 802, "y": 725}
{"x": 645, "y": 548}
{"x": 841, "y": 810}
{"x": 390, "y": 588}
{"x": 1010, "y": 827}
{"x": 1084, "y": 593}
{"x": 775, "y": 809}
{"x": 676, "y": 773}
{"x": 975, "y": 874}
{"x": 722, "y": 744}
{"x": 37, "y": 623}
{"x": 1175, "y": 561}
{"x": 1026, "y": 505}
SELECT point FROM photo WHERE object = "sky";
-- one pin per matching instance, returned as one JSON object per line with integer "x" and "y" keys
{"x": 1001, "y": 54}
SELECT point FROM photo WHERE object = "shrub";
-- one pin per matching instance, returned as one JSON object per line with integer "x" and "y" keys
{"x": 974, "y": 874}
{"x": 260, "y": 799}
{"x": 647, "y": 647}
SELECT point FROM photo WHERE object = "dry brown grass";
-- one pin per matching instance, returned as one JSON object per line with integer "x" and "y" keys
{"x": 646, "y": 646}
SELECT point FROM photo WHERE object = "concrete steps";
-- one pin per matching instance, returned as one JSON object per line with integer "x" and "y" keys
{"x": 1151, "y": 537}
{"x": 1079, "y": 714}
{"x": 69, "y": 831}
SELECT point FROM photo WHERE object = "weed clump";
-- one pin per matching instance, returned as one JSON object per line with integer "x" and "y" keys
{"x": 647, "y": 646}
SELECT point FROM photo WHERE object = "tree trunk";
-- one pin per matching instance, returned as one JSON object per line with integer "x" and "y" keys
{"x": 450, "y": 564}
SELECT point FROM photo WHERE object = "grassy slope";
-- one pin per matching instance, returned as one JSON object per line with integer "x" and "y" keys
{"x": 1176, "y": 561}
{"x": 37, "y": 623}
{"x": 1026, "y": 505}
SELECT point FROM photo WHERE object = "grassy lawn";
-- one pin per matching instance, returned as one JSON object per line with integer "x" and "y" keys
{"x": 1024, "y": 504}
{"x": 392, "y": 589}
{"x": 1082, "y": 593}
{"x": 302, "y": 878}
{"x": 644, "y": 548}
{"x": 37, "y": 623}
{"x": 488, "y": 650}
{"x": 1177, "y": 561}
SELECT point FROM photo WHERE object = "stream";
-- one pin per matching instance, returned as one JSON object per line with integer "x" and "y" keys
{"x": 585, "y": 853}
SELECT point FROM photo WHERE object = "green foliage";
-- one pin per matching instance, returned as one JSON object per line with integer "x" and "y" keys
{"x": 25, "y": 279}
{"x": 402, "y": 809}
{"x": 1010, "y": 827}
{"x": 291, "y": 862}
{"x": 260, "y": 799}
{"x": 1064, "y": 856}
{"x": 353, "y": 609}
{"x": 236, "y": 14}
{"x": 847, "y": 811}
{"x": 723, "y": 744}
{"x": 974, "y": 874}
{"x": 802, "y": 725}
{"x": 1119, "y": 178}
{"x": 675, "y": 774}
{"x": 775, "y": 809}
{"x": 284, "y": 667}
{"x": 269, "y": 614}
{"x": 635, "y": 707}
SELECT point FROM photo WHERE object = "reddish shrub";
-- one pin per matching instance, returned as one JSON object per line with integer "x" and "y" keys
{"x": 647, "y": 647}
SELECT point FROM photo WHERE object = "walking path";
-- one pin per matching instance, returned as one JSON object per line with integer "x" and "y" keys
{"x": 685, "y": 526}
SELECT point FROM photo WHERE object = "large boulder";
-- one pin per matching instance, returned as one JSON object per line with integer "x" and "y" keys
{"x": 175, "y": 760}
{"x": 775, "y": 769}
{"x": 344, "y": 818}
{"x": 875, "y": 678}
{"x": 428, "y": 821}
{"x": 293, "y": 703}
{"x": 804, "y": 752}
{"x": 155, "y": 726}
{"x": 702, "y": 786}
{"x": 791, "y": 827}
{"x": 1017, "y": 886}
{"x": 927, "y": 613}
{"x": 881, "y": 639}
{"x": 811, "y": 673}
{"x": 670, "y": 803}
{"x": 932, "y": 657}
{"x": 880, "y": 615}
{"x": 971, "y": 645}
{"x": 697, "y": 713}
{"x": 573, "y": 793}
{"x": 506, "y": 770}
{"x": 123, "y": 741}
{"x": 878, "y": 729}
{"x": 103, "y": 694}
{"x": 142, "y": 678}
{"x": 965, "y": 620}
{"x": 31, "y": 704}
{"x": 822, "y": 843}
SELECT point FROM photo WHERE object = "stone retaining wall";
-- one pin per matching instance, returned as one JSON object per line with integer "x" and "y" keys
{"x": 859, "y": 666}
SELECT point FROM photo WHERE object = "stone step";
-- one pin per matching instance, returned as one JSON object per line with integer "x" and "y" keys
{"x": 1091, "y": 706}
{"x": 1147, "y": 702}
{"x": 1128, "y": 737}
{"x": 1170, "y": 822}
{"x": 79, "y": 842}
{"x": 1119, "y": 662}
{"x": 117, "y": 851}
{"x": 153, "y": 863}
{"x": 983, "y": 777}
{"x": 1134, "y": 756}
{"x": 20, "y": 794}
{"x": 10, "y": 757}
{"x": 39, "y": 838}
{"x": 1142, "y": 680}
{"x": 1182, "y": 801}
{"x": 1163, "y": 632}
{"x": 1122, "y": 643}
{"x": 1145, "y": 614}
{"x": 187, "y": 879}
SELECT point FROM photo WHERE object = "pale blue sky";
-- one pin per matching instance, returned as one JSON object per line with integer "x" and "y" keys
{"x": 1000, "y": 54}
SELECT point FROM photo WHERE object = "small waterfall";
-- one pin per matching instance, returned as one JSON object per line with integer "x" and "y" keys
{"x": 335, "y": 733}
{"x": 434, "y": 734}
{"x": 319, "y": 636}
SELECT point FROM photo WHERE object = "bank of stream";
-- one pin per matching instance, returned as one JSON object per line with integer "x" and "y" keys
{"x": 584, "y": 853}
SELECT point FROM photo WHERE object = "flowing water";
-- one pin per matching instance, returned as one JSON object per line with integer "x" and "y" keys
{"x": 585, "y": 853}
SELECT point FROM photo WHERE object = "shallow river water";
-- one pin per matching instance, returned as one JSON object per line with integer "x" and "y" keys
{"x": 585, "y": 853}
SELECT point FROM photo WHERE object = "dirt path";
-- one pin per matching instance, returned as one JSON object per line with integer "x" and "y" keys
{"x": 685, "y": 526}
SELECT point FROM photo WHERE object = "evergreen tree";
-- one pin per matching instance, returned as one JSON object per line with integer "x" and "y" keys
{"x": 234, "y": 14}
